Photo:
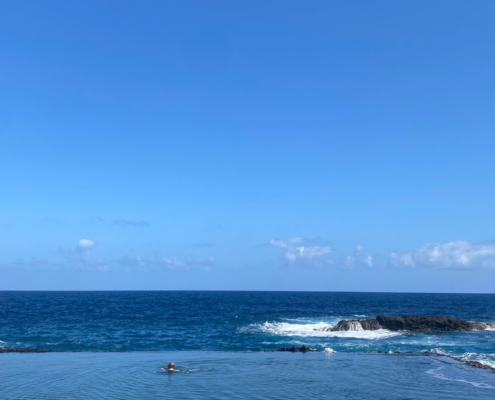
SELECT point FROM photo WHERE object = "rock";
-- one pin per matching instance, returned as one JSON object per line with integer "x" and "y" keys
{"x": 412, "y": 323}
{"x": 370, "y": 324}
{"x": 431, "y": 323}
{"x": 325, "y": 328}
{"x": 302, "y": 349}
{"x": 13, "y": 350}
{"x": 347, "y": 325}
{"x": 477, "y": 364}
{"x": 391, "y": 323}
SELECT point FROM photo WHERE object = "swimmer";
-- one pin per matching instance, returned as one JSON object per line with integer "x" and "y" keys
{"x": 170, "y": 367}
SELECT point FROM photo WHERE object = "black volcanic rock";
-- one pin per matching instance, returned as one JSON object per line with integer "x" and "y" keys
{"x": 370, "y": 324}
{"x": 302, "y": 349}
{"x": 391, "y": 323}
{"x": 431, "y": 323}
{"x": 23, "y": 350}
{"x": 412, "y": 323}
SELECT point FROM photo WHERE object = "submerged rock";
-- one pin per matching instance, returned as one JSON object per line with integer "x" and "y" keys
{"x": 302, "y": 349}
{"x": 23, "y": 350}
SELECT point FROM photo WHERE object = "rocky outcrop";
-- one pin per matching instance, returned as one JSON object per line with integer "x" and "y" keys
{"x": 302, "y": 349}
{"x": 368, "y": 324}
{"x": 432, "y": 323}
{"x": 22, "y": 350}
{"x": 412, "y": 323}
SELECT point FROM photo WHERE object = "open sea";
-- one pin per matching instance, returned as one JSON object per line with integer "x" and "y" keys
{"x": 113, "y": 344}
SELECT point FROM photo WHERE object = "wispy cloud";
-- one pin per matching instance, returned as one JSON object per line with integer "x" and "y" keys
{"x": 202, "y": 244}
{"x": 305, "y": 252}
{"x": 126, "y": 224}
{"x": 83, "y": 257}
{"x": 460, "y": 254}
{"x": 358, "y": 258}
{"x": 33, "y": 262}
{"x": 157, "y": 261}
{"x": 301, "y": 251}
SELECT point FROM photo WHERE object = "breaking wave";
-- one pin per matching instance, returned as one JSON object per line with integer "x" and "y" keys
{"x": 315, "y": 330}
{"x": 483, "y": 358}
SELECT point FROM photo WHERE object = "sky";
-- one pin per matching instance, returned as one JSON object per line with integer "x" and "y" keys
{"x": 247, "y": 145}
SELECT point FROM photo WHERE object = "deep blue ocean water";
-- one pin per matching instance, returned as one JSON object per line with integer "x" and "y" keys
{"x": 227, "y": 329}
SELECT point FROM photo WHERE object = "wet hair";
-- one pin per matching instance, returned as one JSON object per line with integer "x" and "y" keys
{"x": 170, "y": 365}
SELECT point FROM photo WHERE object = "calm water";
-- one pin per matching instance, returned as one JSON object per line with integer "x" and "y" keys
{"x": 212, "y": 333}
{"x": 237, "y": 376}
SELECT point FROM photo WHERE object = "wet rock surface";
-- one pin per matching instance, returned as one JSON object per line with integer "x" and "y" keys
{"x": 14, "y": 350}
{"x": 302, "y": 349}
{"x": 412, "y": 323}
{"x": 473, "y": 364}
{"x": 431, "y": 323}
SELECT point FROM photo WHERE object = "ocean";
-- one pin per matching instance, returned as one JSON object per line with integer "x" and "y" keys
{"x": 113, "y": 345}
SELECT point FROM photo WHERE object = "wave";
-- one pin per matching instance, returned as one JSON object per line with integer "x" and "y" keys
{"x": 316, "y": 330}
{"x": 436, "y": 372}
{"x": 483, "y": 358}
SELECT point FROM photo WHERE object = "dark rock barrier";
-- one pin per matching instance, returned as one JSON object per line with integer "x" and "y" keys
{"x": 473, "y": 364}
{"x": 432, "y": 323}
{"x": 412, "y": 323}
{"x": 13, "y": 350}
{"x": 302, "y": 349}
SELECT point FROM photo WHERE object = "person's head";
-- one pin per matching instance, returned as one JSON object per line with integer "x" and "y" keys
{"x": 171, "y": 365}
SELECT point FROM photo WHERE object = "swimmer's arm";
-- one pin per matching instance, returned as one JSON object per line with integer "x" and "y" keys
{"x": 175, "y": 370}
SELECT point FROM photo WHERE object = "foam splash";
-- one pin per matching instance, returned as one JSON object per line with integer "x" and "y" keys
{"x": 314, "y": 330}
{"x": 328, "y": 350}
{"x": 438, "y": 373}
{"x": 483, "y": 358}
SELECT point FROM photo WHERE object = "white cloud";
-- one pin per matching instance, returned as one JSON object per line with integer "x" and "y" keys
{"x": 460, "y": 254}
{"x": 301, "y": 251}
{"x": 86, "y": 244}
{"x": 368, "y": 261}
{"x": 82, "y": 257}
{"x": 156, "y": 261}
{"x": 357, "y": 258}
{"x": 311, "y": 252}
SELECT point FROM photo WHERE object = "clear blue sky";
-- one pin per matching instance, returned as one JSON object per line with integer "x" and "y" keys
{"x": 280, "y": 145}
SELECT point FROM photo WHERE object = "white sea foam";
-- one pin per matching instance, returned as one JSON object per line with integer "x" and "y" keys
{"x": 486, "y": 359}
{"x": 437, "y": 374}
{"x": 328, "y": 350}
{"x": 314, "y": 330}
